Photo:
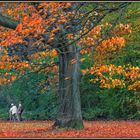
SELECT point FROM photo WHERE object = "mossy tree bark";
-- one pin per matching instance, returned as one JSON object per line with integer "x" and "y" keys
{"x": 8, "y": 22}
{"x": 69, "y": 115}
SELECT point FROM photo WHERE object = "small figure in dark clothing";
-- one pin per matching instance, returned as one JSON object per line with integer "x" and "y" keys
{"x": 20, "y": 111}
{"x": 10, "y": 113}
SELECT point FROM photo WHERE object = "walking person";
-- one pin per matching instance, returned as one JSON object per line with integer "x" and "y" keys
{"x": 13, "y": 113}
{"x": 20, "y": 111}
{"x": 9, "y": 113}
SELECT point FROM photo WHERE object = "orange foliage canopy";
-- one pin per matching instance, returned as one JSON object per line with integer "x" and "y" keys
{"x": 111, "y": 76}
{"x": 36, "y": 20}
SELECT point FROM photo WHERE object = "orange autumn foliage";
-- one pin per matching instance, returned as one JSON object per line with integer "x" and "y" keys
{"x": 53, "y": 53}
{"x": 33, "y": 24}
{"x": 126, "y": 76}
{"x": 108, "y": 47}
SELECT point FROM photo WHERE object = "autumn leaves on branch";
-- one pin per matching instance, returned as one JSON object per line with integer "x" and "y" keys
{"x": 62, "y": 24}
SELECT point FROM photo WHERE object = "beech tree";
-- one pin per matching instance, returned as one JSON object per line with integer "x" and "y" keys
{"x": 53, "y": 29}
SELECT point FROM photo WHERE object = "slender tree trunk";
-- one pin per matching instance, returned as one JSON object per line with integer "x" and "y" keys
{"x": 69, "y": 115}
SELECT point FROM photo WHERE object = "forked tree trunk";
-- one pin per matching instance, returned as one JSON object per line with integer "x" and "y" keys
{"x": 69, "y": 115}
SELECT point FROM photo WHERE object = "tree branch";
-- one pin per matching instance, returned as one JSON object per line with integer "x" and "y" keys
{"x": 8, "y": 22}
{"x": 109, "y": 31}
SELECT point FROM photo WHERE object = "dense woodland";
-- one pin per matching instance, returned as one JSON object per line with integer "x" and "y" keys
{"x": 70, "y": 62}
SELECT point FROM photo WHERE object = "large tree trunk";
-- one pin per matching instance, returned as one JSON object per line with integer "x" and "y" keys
{"x": 69, "y": 115}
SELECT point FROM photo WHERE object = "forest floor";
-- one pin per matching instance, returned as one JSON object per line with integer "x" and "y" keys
{"x": 93, "y": 129}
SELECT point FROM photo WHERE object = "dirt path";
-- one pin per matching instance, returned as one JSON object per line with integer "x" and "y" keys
{"x": 93, "y": 129}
